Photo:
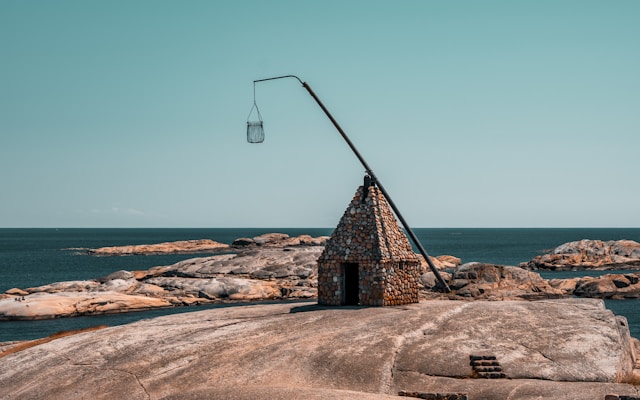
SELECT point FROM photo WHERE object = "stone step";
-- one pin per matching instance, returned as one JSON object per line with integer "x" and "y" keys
{"x": 434, "y": 396}
{"x": 486, "y": 366}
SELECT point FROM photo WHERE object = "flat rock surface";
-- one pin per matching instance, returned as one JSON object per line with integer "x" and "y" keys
{"x": 561, "y": 349}
{"x": 182, "y": 246}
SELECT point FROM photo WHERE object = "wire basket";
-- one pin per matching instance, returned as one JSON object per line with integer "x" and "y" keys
{"x": 255, "y": 129}
{"x": 255, "y": 132}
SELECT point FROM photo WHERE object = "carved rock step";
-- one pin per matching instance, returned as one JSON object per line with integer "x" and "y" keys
{"x": 486, "y": 367}
{"x": 434, "y": 396}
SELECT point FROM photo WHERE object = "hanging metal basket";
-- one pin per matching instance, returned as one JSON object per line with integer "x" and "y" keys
{"x": 255, "y": 129}
{"x": 255, "y": 132}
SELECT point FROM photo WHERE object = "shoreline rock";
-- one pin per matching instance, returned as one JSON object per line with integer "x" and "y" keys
{"x": 589, "y": 255}
{"x": 481, "y": 281}
{"x": 610, "y": 286}
{"x": 271, "y": 271}
{"x": 178, "y": 247}
{"x": 208, "y": 246}
{"x": 278, "y": 267}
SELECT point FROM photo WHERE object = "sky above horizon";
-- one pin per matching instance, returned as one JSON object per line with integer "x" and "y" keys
{"x": 471, "y": 113}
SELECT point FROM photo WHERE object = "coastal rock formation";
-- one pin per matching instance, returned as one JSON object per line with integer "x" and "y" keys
{"x": 280, "y": 240}
{"x": 610, "y": 286}
{"x": 494, "y": 282}
{"x": 209, "y": 246}
{"x": 589, "y": 254}
{"x": 444, "y": 262}
{"x": 264, "y": 268}
{"x": 568, "y": 349}
{"x": 254, "y": 273}
{"x": 70, "y": 304}
{"x": 183, "y": 246}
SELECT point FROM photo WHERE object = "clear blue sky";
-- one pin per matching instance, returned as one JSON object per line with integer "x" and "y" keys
{"x": 471, "y": 113}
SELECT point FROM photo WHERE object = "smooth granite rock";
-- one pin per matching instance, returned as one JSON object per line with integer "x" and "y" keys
{"x": 183, "y": 246}
{"x": 493, "y": 282}
{"x": 45, "y": 305}
{"x": 589, "y": 254}
{"x": 276, "y": 266}
{"x": 560, "y": 349}
{"x": 260, "y": 273}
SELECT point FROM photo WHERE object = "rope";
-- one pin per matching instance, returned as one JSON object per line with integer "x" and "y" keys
{"x": 255, "y": 105}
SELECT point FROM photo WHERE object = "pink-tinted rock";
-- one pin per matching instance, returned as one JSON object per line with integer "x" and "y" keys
{"x": 589, "y": 254}
{"x": 183, "y": 246}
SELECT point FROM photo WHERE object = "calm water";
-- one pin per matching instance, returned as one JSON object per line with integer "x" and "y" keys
{"x": 33, "y": 257}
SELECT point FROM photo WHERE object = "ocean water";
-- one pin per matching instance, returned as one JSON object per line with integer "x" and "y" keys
{"x": 34, "y": 257}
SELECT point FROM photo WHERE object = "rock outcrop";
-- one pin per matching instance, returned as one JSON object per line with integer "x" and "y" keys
{"x": 278, "y": 267}
{"x": 493, "y": 282}
{"x": 210, "y": 246}
{"x": 272, "y": 266}
{"x": 568, "y": 349}
{"x": 280, "y": 240}
{"x": 610, "y": 286}
{"x": 589, "y": 255}
{"x": 179, "y": 247}
{"x": 43, "y": 305}
{"x": 253, "y": 273}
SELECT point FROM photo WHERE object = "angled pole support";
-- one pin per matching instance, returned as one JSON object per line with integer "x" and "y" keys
{"x": 369, "y": 172}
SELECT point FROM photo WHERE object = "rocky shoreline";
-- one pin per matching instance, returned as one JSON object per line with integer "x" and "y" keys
{"x": 557, "y": 347}
{"x": 278, "y": 267}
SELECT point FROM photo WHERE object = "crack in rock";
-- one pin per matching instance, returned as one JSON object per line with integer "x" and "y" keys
{"x": 386, "y": 380}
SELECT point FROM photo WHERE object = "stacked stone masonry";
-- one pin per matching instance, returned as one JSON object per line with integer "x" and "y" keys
{"x": 369, "y": 245}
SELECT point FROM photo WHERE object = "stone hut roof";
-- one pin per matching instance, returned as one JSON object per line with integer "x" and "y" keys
{"x": 368, "y": 231}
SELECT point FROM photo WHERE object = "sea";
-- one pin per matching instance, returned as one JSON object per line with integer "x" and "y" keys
{"x": 33, "y": 257}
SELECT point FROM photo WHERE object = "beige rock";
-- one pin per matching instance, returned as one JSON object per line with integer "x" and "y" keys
{"x": 568, "y": 286}
{"x": 498, "y": 282}
{"x": 67, "y": 286}
{"x": 573, "y": 349}
{"x": 589, "y": 254}
{"x": 609, "y": 286}
{"x": 449, "y": 262}
{"x": 184, "y": 246}
{"x": 17, "y": 292}
{"x": 66, "y": 304}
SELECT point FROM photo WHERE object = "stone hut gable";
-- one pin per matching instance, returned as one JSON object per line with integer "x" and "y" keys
{"x": 368, "y": 231}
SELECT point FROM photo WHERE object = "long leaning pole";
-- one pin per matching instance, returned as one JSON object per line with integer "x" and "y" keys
{"x": 369, "y": 171}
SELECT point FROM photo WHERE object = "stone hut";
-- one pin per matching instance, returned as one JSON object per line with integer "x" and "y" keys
{"x": 368, "y": 260}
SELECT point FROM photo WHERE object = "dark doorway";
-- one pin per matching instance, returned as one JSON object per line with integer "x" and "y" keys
{"x": 351, "y": 284}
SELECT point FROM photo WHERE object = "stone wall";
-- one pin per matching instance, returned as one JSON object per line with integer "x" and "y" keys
{"x": 401, "y": 283}
{"x": 330, "y": 282}
{"x": 381, "y": 284}
{"x": 368, "y": 235}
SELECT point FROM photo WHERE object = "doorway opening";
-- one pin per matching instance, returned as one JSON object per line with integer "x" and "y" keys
{"x": 351, "y": 284}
